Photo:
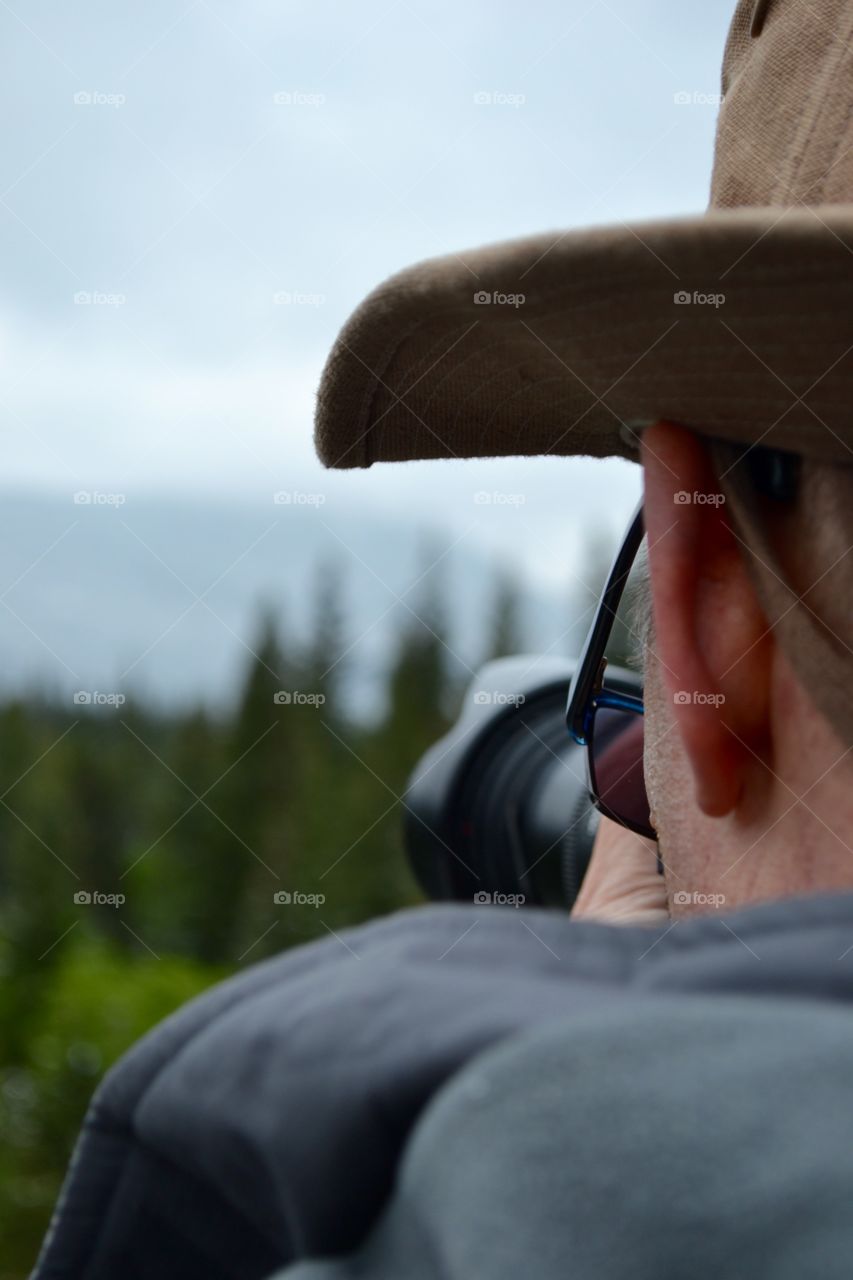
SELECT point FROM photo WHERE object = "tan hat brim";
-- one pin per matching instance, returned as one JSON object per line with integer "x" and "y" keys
{"x": 584, "y": 337}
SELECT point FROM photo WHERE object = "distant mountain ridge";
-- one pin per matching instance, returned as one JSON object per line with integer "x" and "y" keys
{"x": 161, "y": 597}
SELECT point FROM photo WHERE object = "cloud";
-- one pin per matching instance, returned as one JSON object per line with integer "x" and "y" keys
{"x": 182, "y": 186}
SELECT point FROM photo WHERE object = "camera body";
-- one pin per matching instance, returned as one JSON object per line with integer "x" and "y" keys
{"x": 498, "y": 811}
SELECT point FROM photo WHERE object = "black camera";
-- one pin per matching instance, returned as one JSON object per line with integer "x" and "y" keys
{"x": 499, "y": 809}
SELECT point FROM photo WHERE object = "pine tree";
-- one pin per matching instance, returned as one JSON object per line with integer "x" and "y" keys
{"x": 326, "y": 658}
{"x": 593, "y": 568}
{"x": 254, "y": 846}
{"x": 506, "y": 614}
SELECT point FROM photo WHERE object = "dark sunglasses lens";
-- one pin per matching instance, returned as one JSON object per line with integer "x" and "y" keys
{"x": 616, "y": 766}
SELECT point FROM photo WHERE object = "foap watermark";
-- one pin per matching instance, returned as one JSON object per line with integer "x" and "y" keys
{"x": 695, "y": 698}
{"x": 697, "y": 98}
{"x": 684, "y": 498}
{"x": 298, "y": 98}
{"x": 498, "y": 698}
{"x": 95, "y": 698}
{"x": 97, "y": 98}
{"x": 298, "y": 498}
{"x": 497, "y": 499}
{"x": 294, "y": 298}
{"x": 484, "y": 899}
{"x": 494, "y": 298}
{"x": 295, "y": 898}
{"x": 96, "y": 298}
{"x": 95, "y": 498}
{"x": 684, "y": 899}
{"x": 295, "y": 698}
{"x": 94, "y": 898}
{"x": 684, "y": 298}
{"x": 499, "y": 98}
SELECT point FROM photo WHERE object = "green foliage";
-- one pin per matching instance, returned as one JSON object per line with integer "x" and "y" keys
{"x": 197, "y": 822}
{"x": 98, "y": 1001}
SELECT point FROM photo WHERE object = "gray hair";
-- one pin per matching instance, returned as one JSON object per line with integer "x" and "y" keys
{"x": 640, "y": 617}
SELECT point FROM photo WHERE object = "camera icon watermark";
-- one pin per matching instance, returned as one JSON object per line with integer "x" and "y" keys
{"x": 295, "y": 898}
{"x": 498, "y": 698}
{"x": 85, "y": 898}
{"x": 695, "y": 698}
{"x": 498, "y": 98}
{"x": 298, "y": 498}
{"x": 484, "y": 899}
{"x": 293, "y": 298}
{"x": 683, "y": 498}
{"x": 94, "y": 498}
{"x": 684, "y": 899}
{"x": 95, "y": 698}
{"x": 696, "y": 98}
{"x": 96, "y": 98}
{"x": 483, "y": 498}
{"x": 487, "y": 298}
{"x": 684, "y": 298}
{"x": 295, "y": 698}
{"x": 298, "y": 98}
{"x": 96, "y": 298}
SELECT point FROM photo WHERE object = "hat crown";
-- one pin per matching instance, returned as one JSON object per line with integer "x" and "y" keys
{"x": 785, "y": 131}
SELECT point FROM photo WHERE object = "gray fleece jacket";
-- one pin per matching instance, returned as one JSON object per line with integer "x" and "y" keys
{"x": 482, "y": 1092}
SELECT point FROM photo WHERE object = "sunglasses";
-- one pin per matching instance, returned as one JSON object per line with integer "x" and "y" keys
{"x": 609, "y": 721}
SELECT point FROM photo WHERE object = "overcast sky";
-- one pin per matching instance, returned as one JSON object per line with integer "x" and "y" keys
{"x": 188, "y": 165}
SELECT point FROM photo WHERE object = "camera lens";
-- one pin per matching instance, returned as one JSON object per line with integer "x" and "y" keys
{"x": 500, "y": 806}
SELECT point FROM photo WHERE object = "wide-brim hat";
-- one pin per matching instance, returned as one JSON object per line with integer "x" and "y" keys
{"x": 737, "y": 323}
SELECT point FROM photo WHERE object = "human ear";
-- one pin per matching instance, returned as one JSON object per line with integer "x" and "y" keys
{"x": 710, "y": 634}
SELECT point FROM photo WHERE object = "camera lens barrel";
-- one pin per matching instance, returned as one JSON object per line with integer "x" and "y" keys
{"x": 500, "y": 806}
